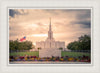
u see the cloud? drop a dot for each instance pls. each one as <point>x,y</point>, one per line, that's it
<point>13,12</point>
<point>84,24</point>
<point>83,19</point>
<point>84,14</point>
<point>67,24</point>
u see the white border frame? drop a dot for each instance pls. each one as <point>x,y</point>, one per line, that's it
<point>95,68</point>
<point>87,64</point>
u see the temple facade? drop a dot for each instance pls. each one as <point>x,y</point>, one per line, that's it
<point>50,47</point>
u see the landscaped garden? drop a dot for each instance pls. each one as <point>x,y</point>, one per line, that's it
<point>64,53</point>
<point>35,53</point>
<point>74,54</point>
<point>66,56</point>
<point>80,51</point>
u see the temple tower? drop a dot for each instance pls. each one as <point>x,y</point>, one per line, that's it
<point>50,33</point>
<point>50,47</point>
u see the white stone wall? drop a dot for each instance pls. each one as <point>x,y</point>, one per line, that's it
<point>49,52</point>
<point>54,44</point>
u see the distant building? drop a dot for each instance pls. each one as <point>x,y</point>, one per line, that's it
<point>50,47</point>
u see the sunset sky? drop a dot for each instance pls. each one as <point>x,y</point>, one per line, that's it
<point>67,24</point>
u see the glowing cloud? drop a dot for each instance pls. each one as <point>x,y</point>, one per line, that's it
<point>40,35</point>
<point>67,24</point>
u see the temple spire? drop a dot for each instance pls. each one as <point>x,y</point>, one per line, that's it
<point>50,25</point>
<point>50,33</point>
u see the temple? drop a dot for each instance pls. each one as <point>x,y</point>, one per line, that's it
<point>50,47</point>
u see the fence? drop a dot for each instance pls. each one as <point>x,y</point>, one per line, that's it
<point>86,51</point>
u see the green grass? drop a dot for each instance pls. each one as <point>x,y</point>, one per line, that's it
<point>74,54</point>
<point>35,53</point>
<point>63,53</point>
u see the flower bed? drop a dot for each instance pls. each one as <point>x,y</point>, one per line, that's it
<point>55,59</point>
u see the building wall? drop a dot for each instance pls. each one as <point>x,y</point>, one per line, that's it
<point>48,52</point>
<point>54,44</point>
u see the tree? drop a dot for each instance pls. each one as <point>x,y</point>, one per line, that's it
<point>60,48</point>
<point>19,46</point>
<point>12,46</point>
<point>83,43</point>
<point>39,48</point>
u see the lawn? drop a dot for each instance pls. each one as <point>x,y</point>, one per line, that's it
<point>74,54</point>
<point>63,53</point>
<point>35,53</point>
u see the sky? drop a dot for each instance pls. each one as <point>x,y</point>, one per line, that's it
<point>67,24</point>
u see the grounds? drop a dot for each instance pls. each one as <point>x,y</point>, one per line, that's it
<point>64,53</point>
<point>67,57</point>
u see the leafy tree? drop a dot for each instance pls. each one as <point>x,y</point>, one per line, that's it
<point>11,47</point>
<point>19,46</point>
<point>39,48</point>
<point>60,48</point>
<point>83,43</point>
